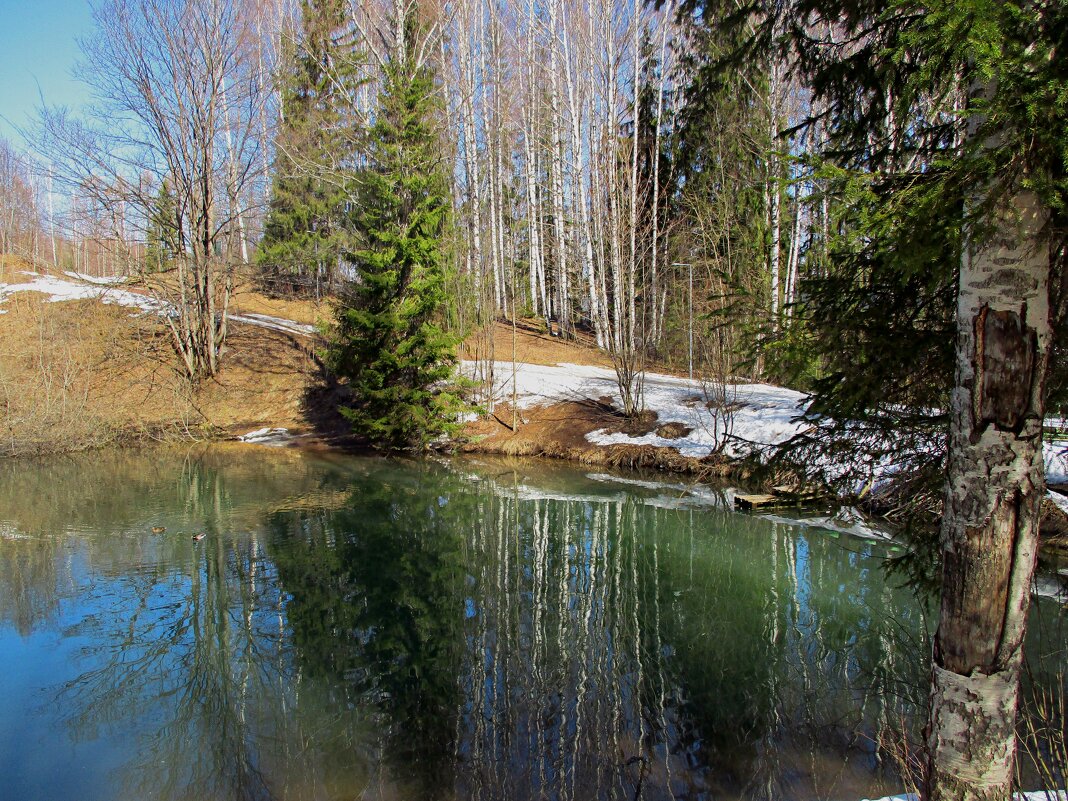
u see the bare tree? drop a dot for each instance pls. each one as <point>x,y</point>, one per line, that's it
<point>20,213</point>
<point>179,93</point>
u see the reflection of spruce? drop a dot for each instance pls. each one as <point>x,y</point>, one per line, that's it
<point>375,611</point>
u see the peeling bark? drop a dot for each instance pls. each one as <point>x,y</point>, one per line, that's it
<point>994,490</point>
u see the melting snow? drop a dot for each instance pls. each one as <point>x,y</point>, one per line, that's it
<point>103,288</point>
<point>765,415</point>
<point>58,289</point>
<point>103,280</point>
<point>267,436</point>
<point>274,323</point>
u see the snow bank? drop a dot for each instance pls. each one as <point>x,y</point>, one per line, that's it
<point>765,415</point>
<point>103,289</point>
<point>58,289</point>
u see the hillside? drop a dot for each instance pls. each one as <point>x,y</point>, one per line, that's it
<point>83,373</point>
<point>82,365</point>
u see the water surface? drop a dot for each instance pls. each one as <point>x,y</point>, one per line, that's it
<point>358,627</point>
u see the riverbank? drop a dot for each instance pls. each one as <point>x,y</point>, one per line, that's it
<point>86,363</point>
<point>572,411</point>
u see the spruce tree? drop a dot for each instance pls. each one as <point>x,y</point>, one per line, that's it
<point>949,125</point>
<point>305,230</point>
<point>162,235</point>
<point>388,341</point>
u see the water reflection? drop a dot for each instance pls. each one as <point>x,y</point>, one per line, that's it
<point>382,629</point>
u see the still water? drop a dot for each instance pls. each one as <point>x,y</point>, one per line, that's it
<point>358,627</point>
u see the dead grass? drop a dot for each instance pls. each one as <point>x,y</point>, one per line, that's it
<point>247,300</point>
<point>534,346</point>
<point>70,372</point>
<point>81,374</point>
<point>12,269</point>
<point>559,432</point>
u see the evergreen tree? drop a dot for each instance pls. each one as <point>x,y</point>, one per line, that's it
<point>948,124</point>
<point>388,342</point>
<point>305,230</point>
<point>162,239</point>
<point>722,147</point>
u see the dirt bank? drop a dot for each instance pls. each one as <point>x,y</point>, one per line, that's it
<point>82,374</point>
<point>559,431</point>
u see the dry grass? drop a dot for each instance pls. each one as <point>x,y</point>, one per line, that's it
<point>533,345</point>
<point>72,373</point>
<point>559,432</point>
<point>12,269</point>
<point>247,300</point>
<point>80,374</point>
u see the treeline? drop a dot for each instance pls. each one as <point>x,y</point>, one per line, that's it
<point>598,180</point>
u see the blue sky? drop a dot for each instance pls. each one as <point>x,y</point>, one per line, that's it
<point>38,48</point>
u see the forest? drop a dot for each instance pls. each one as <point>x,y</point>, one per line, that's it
<point>864,202</point>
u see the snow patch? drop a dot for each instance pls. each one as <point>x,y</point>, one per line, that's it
<point>91,287</point>
<point>102,280</point>
<point>1061,501</point>
<point>274,323</point>
<point>1055,457</point>
<point>765,416</point>
<point>1051,586</point>
<point>59,290</point>
<point>267,436</point>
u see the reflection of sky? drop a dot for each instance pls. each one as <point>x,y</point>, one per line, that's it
<point>592,634</point>
<point>803,581</point>
<point>32,737</point>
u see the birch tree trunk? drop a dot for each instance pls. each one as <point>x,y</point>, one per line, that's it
<point>774,190</point>
<point>994,488</point>
<point>557,182</point>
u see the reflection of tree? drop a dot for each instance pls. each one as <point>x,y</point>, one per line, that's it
<point>441,635</point>
<point>377,608</point>
<point>29,581</point>
<point>780,655</point>
<point>191,653</point>
<point>183,673</point>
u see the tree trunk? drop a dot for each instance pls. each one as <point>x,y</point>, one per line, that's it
<point>990,525</point>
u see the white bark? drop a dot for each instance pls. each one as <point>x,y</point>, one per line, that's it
<point>993,493</point>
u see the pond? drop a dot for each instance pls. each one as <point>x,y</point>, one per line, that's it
<point>362,627</point>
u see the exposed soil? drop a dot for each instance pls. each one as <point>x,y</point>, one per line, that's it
<point>673,430</point>
<point>559,431</point>
<point>82,374</point>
